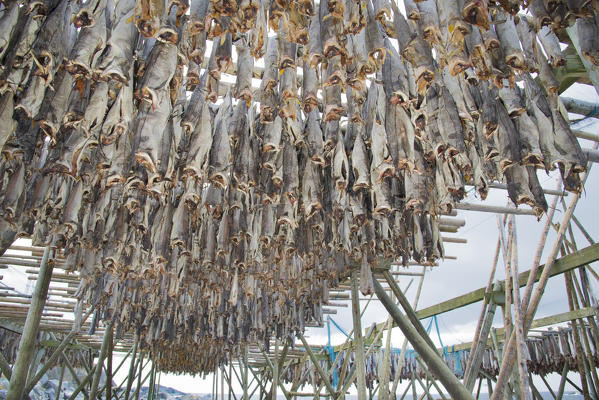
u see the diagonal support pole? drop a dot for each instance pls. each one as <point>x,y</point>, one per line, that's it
<point>272,369</point>
<point>26,351</point>
<point>405,304</point>
<point>55,355</point>
<point>323,374</point>
<point>430,356</point>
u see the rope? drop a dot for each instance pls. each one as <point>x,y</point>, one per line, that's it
<point>338,327</point>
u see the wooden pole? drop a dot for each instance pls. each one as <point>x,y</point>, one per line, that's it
<point>405,304</point>
<point>230,381</point>
<point>152,378</point>
<point>212,395</point>
<point>109,372</point>
<point>582,369</point>
<point>275,372</point>
<point>271,367</point>
<point>81,387</point>
<point>257,378</point>
<point>531,308</point>
<point>386,370</point>
<point>521,350</point>
<point>141,368</point>
<point>358,340</point>
<point>562,382</point>
<point>480,346</point>
<point>222,383</point>
<point>244,373</point>
<point>131,374</point>
<point>55,355</point>
<point>323,374</point>
<point>402,356</point>
<point>26,351</point>
<point>430,356</point>
<point>431,378</point>
<point>477,332</point>
<point>98,372</point>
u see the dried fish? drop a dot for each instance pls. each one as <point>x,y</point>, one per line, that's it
<point>220,152</point>
<point>148,16</point>
<point>88,48</point>
<point>120,45</point>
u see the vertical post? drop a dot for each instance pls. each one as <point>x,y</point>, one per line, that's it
<point>151,385</point>
<point>521,349</point>
<point>212,394</point>
<point>230,379</point>
<point>577,344</point>
<point>562,382</point>
<point>480,347</point>
<point>222,383</point>
<point>141,368</point>
<point>531,306</point>
<point>244,374</point>
<point>98,371</point>
<point>30,329</point>
<point>109,364</point>
<point>484,311</point>
<point>275,372</point>
<point>132,368</point>
<point>358,339</point>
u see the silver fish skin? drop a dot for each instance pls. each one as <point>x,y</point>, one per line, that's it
<point>116,62</point>
<point>220,153</point>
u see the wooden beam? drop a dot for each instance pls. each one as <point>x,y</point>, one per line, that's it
<point>493,209</point>
<point>107,340</point>
<point>430,356</point>
<point>358,339</point>
<point>585,135</point>
<point>323,374</point>
<point>30,330</point>
<point>52,359</point>
<point>561,265</point>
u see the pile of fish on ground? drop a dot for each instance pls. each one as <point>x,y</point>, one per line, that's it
<point>206,215</point>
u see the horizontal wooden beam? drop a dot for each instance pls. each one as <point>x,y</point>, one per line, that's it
<point>493,209</point>
<point>585,135</point>
<point>567,263</point>
<point>448,239</point>
<point>537,323</point>
<point>592,154</point>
